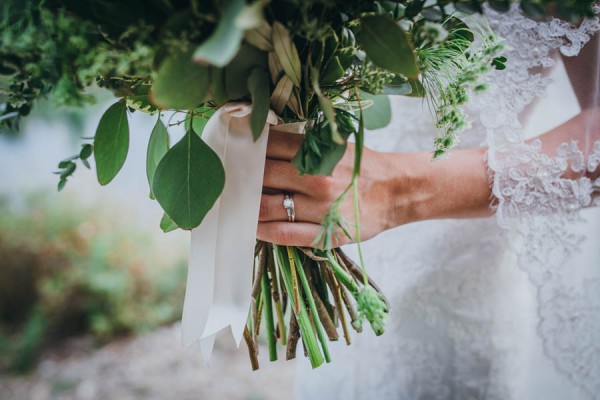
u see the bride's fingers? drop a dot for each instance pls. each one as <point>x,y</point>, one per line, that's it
<point>307,209</point>
<point>283,145</point>
<point>282,175</point>
<point>302,234</point>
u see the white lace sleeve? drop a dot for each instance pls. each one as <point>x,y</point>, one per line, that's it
<point>534,197</point>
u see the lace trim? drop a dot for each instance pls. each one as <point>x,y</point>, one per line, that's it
<point>531,183</point>
<point>533,198</point>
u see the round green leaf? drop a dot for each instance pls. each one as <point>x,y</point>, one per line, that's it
<point>379,114</point>
<point>158,145</point>
<point>188,181</point>
<point>198,120</point>
<point>388,45</point>
<point>220,48</point>
<point>166,224</point>
<point>111,142</point>
<point>180,83</point>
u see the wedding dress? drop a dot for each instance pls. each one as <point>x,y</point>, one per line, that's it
<point>491,308</point>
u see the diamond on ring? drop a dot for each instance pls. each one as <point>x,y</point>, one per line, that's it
<point>288,204</point>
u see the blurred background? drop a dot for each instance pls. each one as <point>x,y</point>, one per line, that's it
<point>91,290</point>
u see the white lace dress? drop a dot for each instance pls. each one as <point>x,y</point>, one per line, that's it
<point>475,315</point>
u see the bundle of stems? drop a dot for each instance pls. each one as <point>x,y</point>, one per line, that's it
<point>302,294</point>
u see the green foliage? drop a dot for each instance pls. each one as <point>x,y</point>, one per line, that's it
<point>379,114</point>
<point>237,73</point>
<point>258,84</point>
<point>371,307</point>
<point>66,270</point>
<point>220,48</point>
<point>319,152</point>
<point>451,73</point>
<point>188,181</point>
<point>180,84</point>
<point>286,53</point>
<point>111,143</point>
<point>333,223</point>
<point>188,55</point>
<point>388,46</point>
<point>166,224</point>
<point>158,145</point>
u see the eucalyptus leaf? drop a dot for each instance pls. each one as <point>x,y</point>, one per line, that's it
<point>258,84</point>
<point>111,143</point>
<point>220,48</point>
<point>388,45</point>
<point>158,145</point>
<point>379,114</point>
<point>252,16</point>
<point>237,73</point>
<point>166,224</point>
<point>188,180</point>
<point>180,84</point>
<point>198,119</point>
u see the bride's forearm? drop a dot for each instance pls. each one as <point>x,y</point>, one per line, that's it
<point>453,187</point>
<point>458,186</point>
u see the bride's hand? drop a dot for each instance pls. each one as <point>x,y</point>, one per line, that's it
<point>314,195</point>
<point>394,189</point>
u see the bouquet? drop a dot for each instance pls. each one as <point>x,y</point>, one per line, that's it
<point>329,65</point>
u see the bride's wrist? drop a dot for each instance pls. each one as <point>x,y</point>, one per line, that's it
<point>422,189</point>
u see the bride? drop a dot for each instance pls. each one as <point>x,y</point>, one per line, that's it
<point>485,307</point>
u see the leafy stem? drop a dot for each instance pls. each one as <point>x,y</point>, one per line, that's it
<point>357,226</point>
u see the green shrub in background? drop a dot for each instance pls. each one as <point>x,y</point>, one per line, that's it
<point>67,271</point>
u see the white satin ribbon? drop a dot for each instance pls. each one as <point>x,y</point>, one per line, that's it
<point>219,280</point>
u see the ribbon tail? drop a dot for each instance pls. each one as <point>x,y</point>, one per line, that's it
<point>222,247</point>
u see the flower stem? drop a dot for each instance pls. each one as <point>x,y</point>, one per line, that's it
<point>311,304</point>
<point>357,224</point>
<point>268,307</point>
<point>304,323</point>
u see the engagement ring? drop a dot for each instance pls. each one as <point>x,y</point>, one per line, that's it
<point>288,204</point>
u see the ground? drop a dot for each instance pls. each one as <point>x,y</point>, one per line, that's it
<point>150,366</point>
